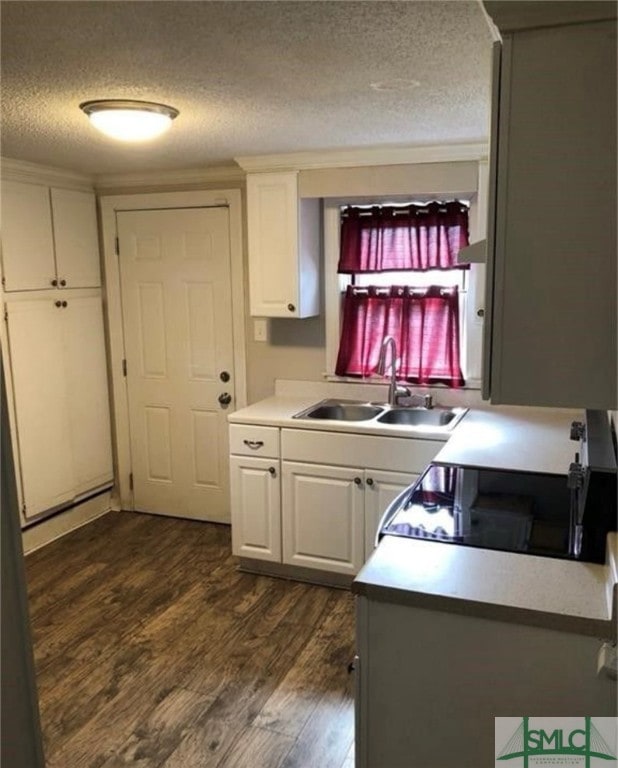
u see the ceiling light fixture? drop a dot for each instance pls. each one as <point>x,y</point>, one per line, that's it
<point>129,120</point>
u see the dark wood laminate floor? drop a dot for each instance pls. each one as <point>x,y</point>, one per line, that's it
<point>153,651</point>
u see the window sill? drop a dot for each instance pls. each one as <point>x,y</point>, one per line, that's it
<point>471,384</point>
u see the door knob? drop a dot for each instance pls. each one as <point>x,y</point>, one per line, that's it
<point>225,398</point>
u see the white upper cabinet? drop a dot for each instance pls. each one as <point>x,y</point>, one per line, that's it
<point>27,237</point>
<point>76,240</point>
<point>284,247</point>
<point>49,238</point>
<point>551,306</point>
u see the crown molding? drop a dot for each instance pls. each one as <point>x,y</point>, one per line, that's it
<point>355,157</point>
<point>22,170</point>
<point>163,179</point>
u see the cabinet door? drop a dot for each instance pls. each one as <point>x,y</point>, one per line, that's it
<point>256,507</point>
<point>380,489</point>
<point>284,247</point>
<point>85,370</point>
<point>27,240</point>
<point>75,238</point>
<point>323,517</point>
<point>553,340</point>
<point>41,403</point>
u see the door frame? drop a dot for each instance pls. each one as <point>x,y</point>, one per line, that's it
<point>108,207</point>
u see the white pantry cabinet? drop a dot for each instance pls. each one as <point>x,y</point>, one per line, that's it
<point>49,238</point>
<point>59,383</point>
<point>284,235</point>
<point>255,492</point>
<point>550,327</point>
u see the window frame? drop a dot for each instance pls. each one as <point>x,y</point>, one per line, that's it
<point>471,300</point>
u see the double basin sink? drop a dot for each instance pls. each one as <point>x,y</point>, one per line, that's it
<point>437,417</point>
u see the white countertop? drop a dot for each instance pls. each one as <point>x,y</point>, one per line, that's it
<point>503,586</point>
<point>506,437</point>
<point>512,437</point>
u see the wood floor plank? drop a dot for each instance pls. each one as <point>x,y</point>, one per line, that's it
<point>154,739</point>
<point>256,747</point>
<point>153,650</point>
<point>205,745</point>
<point>321,662</point>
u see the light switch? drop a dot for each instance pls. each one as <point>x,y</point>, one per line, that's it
<point>260,329</point>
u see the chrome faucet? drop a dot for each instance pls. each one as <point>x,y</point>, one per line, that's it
<point>394,391</point>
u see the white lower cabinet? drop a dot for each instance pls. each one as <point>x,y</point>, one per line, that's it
<point>255,492</point>
<point>380,489</point>
<point>332,513</point>
<point>256,507</point>
<point>323,521</point>
<point>307,498</point>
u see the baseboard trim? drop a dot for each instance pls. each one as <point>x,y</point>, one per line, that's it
<point>40,534</point>
<point>295,573</point>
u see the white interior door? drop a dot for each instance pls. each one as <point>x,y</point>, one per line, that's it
<point>177,312</point>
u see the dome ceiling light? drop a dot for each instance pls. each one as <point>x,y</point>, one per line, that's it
<point>128,120</point>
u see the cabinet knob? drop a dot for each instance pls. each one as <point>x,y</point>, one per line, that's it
<point>357,480</point>
<point>58,303</point>
<point>224,376</point>
<point>54,282</point>
<point>272,471</point>
<point>369,481</point>
<point>480,312</point>
<point>291,307</point>
<point>63,282</point>
<point>64,304</point>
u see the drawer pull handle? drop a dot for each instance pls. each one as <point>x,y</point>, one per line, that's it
<point>254,444</point>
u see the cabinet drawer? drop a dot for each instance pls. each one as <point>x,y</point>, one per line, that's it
<point>398,454</point>
<point>248,440</point>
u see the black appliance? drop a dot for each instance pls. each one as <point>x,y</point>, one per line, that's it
<point>565,516</point>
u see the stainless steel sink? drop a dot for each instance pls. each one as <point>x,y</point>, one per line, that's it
<point>341,410</point>
<point>437,418</point>
<point>422,417</point>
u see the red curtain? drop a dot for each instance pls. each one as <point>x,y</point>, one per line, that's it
<point>423,321</point>
<point>395,238</point>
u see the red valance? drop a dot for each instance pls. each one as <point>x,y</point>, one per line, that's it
<point>396,238</point>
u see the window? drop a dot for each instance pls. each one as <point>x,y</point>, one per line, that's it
<point>403,282</point>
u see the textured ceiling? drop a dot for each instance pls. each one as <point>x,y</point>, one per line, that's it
<point>248,77</point>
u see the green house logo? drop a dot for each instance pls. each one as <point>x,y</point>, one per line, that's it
<point>584,743</point>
